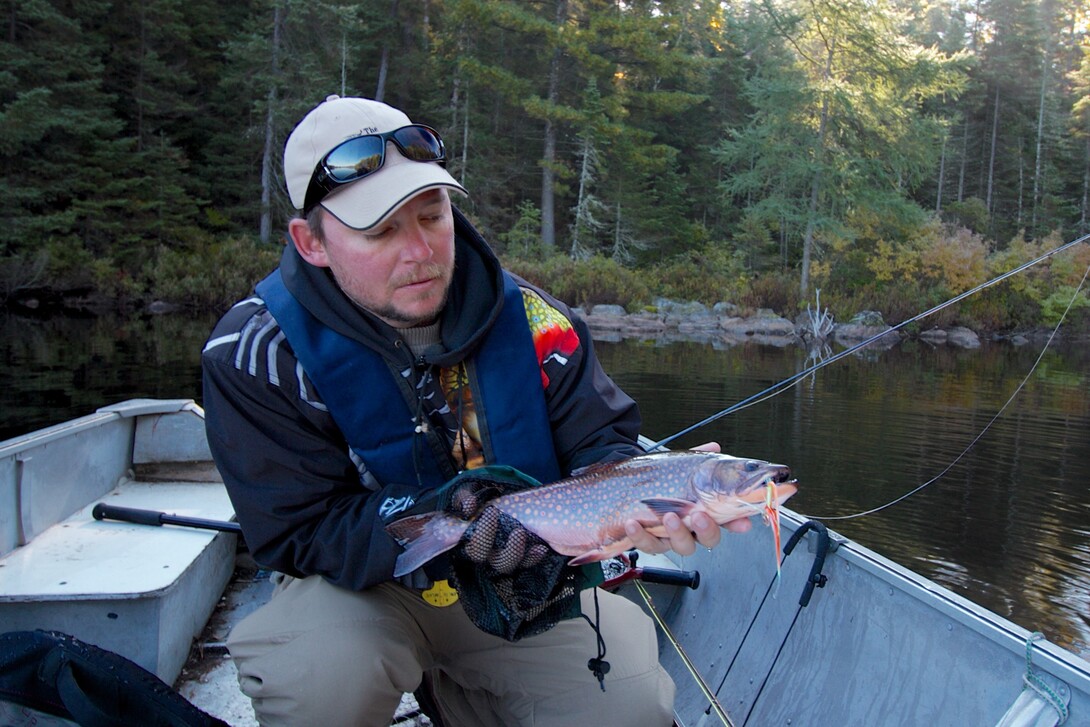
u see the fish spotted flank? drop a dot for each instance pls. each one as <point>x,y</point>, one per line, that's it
<point>583,516</point>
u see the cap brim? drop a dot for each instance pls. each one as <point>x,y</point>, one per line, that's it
<point>366,203</point>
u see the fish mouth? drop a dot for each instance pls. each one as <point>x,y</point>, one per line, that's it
<point>756,490</point>
<point>780,473</point>
<point>757,496</point>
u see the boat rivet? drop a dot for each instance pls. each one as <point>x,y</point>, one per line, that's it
<point>891,591</point>
<point>949,627</point>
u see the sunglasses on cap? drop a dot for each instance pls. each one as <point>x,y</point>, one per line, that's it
<point>360,156</point>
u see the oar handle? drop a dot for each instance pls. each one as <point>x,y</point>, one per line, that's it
<point>102,511</point>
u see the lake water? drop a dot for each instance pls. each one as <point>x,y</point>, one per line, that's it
<point>1008,526</point>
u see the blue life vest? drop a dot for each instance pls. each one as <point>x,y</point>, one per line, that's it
<point>357,385</point>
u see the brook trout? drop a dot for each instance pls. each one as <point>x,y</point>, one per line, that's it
<point>583,516</point>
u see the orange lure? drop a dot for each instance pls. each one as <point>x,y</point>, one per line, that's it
<point>772,517</point>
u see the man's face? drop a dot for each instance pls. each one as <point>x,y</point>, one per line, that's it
<point>399,270</point>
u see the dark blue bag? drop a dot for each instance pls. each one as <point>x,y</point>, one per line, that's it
<point>56,674</point>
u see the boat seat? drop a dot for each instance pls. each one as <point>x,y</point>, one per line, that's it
<point>140,591</point>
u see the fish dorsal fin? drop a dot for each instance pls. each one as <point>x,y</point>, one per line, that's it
<point>662,505</point>
<point>501,473</point>
<point>596,468</point>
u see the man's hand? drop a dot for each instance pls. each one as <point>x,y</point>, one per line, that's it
<point>680,539</point>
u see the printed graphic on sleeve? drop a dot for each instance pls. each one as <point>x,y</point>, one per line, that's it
<point>554,337</point>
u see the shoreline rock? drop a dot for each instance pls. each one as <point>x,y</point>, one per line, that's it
<point>723,326</point>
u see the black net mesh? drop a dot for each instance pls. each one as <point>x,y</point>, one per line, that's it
<point>471,492</point>
<point>510,582</point>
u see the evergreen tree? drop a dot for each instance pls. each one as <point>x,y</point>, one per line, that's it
<point>588,213</point>
<point>146,73</point>
<point>847,125</point>
<point>59,145</point>
<point>1080,132</point>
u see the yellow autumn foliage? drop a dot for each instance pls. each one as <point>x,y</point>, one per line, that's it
<point>959,259</point>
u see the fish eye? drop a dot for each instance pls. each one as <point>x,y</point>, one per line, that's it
<point>752,465</point>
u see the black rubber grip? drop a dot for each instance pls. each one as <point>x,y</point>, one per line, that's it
<point>669,577</point>
<point>103,511</point>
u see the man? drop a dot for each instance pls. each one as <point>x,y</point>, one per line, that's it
<point>388,353</point>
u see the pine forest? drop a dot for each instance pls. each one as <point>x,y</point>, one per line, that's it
<point>888,153</point>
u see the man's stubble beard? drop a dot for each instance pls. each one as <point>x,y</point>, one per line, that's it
<point>390,313</point>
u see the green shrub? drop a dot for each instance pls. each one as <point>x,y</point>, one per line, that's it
<point>115,283</point>
<point>1055,305</point>
<point>779,292</point>
<point>214,275</point>
<point>585,283</point>
<point>709,275</point>
<point>71,265</point>
<point>523,240</point>
<point>971,213</point>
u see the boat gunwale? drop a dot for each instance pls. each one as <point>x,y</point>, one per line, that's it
<point>1060,662</point>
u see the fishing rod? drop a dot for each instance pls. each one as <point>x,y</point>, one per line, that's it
<point>713,701</point>
<point>791,380</point>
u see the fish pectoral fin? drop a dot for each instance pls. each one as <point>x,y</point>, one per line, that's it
<point>662,505</point>
<point>591,556</point>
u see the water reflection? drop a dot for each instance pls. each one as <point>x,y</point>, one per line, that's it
<point>61,367</point>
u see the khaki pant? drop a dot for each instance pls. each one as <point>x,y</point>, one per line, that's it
<point>317,654</point>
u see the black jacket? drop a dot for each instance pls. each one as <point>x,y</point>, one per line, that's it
<point>306,504</point>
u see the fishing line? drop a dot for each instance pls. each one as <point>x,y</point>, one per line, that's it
<point>787,383</point>
<point>988,426</point>
<point>714,705</point>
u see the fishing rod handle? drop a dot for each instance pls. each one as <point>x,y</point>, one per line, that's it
<point>670,577</point>
<point>102,511</point>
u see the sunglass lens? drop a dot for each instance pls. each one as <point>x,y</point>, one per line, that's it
<point>354,158</point>
<point>419,144</point>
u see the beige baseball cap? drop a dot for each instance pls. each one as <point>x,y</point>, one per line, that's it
<point>366,202</point>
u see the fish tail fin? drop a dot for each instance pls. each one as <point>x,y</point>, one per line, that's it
<point>407,529</point>
<point>424,537</point>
